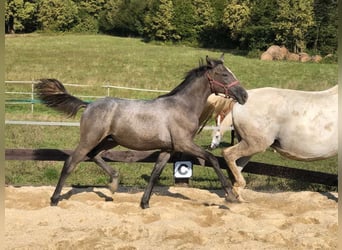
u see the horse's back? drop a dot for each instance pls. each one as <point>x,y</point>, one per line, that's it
<point>289,103</point>
<point>302,123</point>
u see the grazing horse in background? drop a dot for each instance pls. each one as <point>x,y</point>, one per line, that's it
<point>219,108</point>
<point>300,125</point>
<point>168,123</point>
<point>223,124</point>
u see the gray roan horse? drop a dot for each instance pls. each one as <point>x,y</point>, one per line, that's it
<point>168,123</point>
<point>300,125</point>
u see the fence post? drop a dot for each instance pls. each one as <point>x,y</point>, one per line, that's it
<point>32,96</point>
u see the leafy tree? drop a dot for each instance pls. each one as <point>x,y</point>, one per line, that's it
<point>292,23</point>
<point>126,19</point>
<point>158,22</point>
<point>236,15</point>
<point>89,13</point>
<point>204,19</point>
<point>91,7</point>
<point>258,33</point>
<point>323,34</point>
<point>228,24</point>
<point>184,21</point>
<point>109,14</point>
<point>58,15</point>
<point>20,15</point>
<point>204,14</point>
<point>216,35</point>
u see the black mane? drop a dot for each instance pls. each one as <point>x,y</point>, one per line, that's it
<point>189,76</point>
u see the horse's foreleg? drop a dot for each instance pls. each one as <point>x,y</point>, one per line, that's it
<point>163,158</point>
<point>201,153</point>
<point>239,181</point>
<point>227,187</point>
<point>241,153</point>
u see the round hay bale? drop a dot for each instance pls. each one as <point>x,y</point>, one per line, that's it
<point>283,52</point>
<point>292,57</point>
<point>275,51</point>
<point>316,58</point>
<point>304,57</point>
<point>266,56</point>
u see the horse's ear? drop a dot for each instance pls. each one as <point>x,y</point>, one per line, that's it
<point>222,58</point>
<point>210,62</point>
<point>201,63</point>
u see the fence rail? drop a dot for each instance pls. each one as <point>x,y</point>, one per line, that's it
<point>33,101</point>
<point>43,123</point>
<point>149,156</point>
<point>131,156</point>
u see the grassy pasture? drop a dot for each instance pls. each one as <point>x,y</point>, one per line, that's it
<point>96,60</point>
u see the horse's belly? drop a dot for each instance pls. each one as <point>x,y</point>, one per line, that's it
<point>306,149</point>
<point>144,138</point>
<point>143,143</point>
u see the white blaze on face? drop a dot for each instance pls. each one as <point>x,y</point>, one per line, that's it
<point>215,142</point>
<point>230,72</point>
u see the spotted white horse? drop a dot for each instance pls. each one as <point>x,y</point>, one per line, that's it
<point>300,125</point>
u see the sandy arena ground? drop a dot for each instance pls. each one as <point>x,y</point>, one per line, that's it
<point>179,218</point>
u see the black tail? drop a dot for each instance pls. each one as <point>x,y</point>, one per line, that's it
<point>54,95</point>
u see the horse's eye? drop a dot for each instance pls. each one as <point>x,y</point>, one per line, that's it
<point>225,74</point>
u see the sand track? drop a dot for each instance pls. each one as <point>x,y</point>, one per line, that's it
<point>179,218</point>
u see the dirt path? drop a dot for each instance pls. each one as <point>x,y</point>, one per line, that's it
<point>179,218</point>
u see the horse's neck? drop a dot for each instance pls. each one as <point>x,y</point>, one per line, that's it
<point>197,93</point>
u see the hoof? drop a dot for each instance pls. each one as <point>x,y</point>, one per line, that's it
<point>144,205</point>
<point>233,197</point>
<point>230,197</point>
<point>113,186</point>
<point>241,200</point>
<point>54,202</point>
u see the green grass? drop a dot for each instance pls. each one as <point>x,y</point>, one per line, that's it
<point>96,60</point>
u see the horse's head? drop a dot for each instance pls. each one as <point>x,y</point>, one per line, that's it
<point>215,142</point>
<point>222,80</point>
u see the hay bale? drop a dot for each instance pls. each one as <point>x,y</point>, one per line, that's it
<point>266,56</point>
<point>283,52</point>
<point>304,57</point>
<point>316,58</point>
<point>292,57</point>
<point>275,52</point>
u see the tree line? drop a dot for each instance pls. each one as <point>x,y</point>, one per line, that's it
<point>299,25</point>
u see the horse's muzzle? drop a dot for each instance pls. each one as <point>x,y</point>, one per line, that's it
<point>239,94</point>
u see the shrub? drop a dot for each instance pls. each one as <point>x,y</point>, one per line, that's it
<point>56,15</point>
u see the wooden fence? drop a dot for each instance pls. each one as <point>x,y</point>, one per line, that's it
<point>151,156</point>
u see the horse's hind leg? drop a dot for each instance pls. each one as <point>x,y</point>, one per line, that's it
<point>76,157</point>
<point>163,158</point>
<point>95,154</point>
<point>113,174</point>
